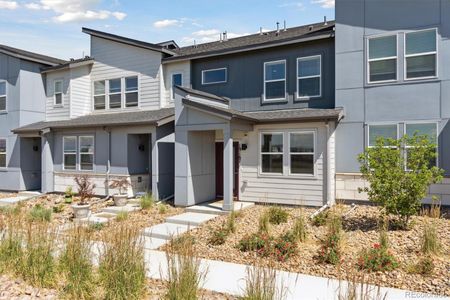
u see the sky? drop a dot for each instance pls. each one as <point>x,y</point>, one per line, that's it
<point>53,27</point>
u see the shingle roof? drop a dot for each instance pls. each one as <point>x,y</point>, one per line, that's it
<point>148,117</point>
<point>27,55</point>
<point>249,42</point>
<point>68,64</point>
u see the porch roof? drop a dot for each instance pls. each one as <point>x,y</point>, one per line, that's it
<point>144,117</point>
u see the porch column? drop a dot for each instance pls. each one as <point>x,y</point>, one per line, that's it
<point>155,165</point>
<point>228,164</point>
<point>47,184</point>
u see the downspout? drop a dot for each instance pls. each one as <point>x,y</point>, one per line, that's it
<point>328,179</point>
<point>108,164</point>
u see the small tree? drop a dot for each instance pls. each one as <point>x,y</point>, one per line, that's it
<point>399,176</point>
<point>121,184</point>
<point>85,188</point>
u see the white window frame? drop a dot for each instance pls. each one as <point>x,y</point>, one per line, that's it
<point>275,80</point>
<point>302,153</point>
<point>6,96</point>
<point>116,93</point>
<point>182,82</point>
<point>409,147</point>
<point>215,82</point>
<point>381,124</point>
<point>5,153</point>
<point>55,93</point>
<point>126,92</point>
<point>405,56</point>
<point>369,60</point>
<point>86,153</point>
<point>306,77</point>
<point>276,153</point>
<point>104,94</point>
<point>64,152</point>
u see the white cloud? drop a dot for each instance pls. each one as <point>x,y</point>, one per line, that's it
<point>8,5</point>
<point>166,23</point>
<point>324,3</point>
<point>207,36</point>
<point>298,5</point>
<point>75,10</point>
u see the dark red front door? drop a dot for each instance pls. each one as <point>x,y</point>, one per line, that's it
<point>219,170</point>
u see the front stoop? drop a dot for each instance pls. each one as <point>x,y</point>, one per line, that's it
<point>166,230</point>
<point>215,208</point>
<point>190,218</point>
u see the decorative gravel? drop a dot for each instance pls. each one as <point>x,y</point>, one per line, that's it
<point>360,232</point>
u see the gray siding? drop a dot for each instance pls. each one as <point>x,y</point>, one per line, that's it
<point>245,76</point>
<point>80,91</point>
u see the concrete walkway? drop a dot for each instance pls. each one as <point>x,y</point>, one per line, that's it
<point>23,196</point>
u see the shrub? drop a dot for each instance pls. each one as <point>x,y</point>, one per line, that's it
<point>256,242</point>
<point>121,184</point>
<point>330,252</point>
<point>260,284</point>
<point>263,223</point>
<point>320,219</point>
<point>58,208</point>
<point>430,239</point>
<point>376,259</point>
<point>40,213</point>
<point>218,236</point>
<point>162,208</point>
<point>122,216</point>
<point>425,266</point>
<point>147,201</point>
<point>96,226</point>
<point>277,215</point>
<point>231,222</point>
<point>75,263</point>
<point>397,190</point>
<point>299,231</point>
<point>68,194</point>
<point>184,273</point>
<point>283,249</point>
<point>85,188</point>
<point>122,266</point>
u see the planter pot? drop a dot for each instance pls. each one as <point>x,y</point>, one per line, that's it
<point>81,211</point>
<point>120,200</point>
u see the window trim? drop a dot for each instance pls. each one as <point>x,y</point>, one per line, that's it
<point>6,154</point>
<point>306,77</point>
<point>276,80</point>
<point>215,82</point>
<point>64,152</point>
<point>437,138</point>
<point>369,60</point>
<point>6,96</point>
<point>405,56</point>
<point>260,153</point>
<point>171,83</point>
<point>54,93</point>
<point>125,92</point>
<point>104,94</point>
<point>86,153</point>
<point>302,131</point>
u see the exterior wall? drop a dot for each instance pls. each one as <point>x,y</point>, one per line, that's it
<point>169,69</point>
<point>58,112</point>
<point>80,91</point>
<point>245,76</point>
<point>116,60</point>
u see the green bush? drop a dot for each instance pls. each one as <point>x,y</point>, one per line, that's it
<point>320,219</point>
<point>96,226</point>
<point>147,201</point>
<point>58,208</point>
<point>277,215</point>
<point>122,216</point>
<point>283,249</point>
<point>425,266</point>
<point>162,208</point>
<point>377,259</point>
<point>40,213</point>
<point>330,252</point>
<point>218,236</point>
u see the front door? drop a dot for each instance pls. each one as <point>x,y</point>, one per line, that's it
<point>219,170</point>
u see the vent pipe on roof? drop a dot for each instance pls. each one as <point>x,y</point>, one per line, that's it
<point>225,38</point>
<point>325,20</point>
<point>278,27</point>
<point>260,31</point>
<point>220,37</point>
<point>284,25</point>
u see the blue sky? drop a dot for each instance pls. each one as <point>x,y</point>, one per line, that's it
<point>53,27</point>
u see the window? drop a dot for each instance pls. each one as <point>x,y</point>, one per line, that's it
<point>272,153</point>
<point>115,93</point>
<point>99,95</point>
<point>428,129</point>
<point>382,59</point>
<point>301,152</point>
<point>131,91</point>
<point>70,152</point>
<point>214,76</point>
<point>309,77</point>
<point>2,153</point>
<point>275,80</point>
<point>86,152</point>
<point>58,85</point>
<point>421,54</point>
<point>388,131</point>
<point>177,79</point>
<point>2,95</point>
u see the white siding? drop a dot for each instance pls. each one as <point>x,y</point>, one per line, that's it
<point>282,189</point>
<point>173,68</point>
<point>53,112</point>
<point>80,91</point>
<point>116,60</point>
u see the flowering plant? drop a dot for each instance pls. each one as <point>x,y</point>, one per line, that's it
<point>377,258</point>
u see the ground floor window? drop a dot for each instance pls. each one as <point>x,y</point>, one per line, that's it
<point>86,150</point>
<point>272,153</point>
<point>2,153</point>
<point>428,129</point>
<point>70,152</point>
<point>301,153</point>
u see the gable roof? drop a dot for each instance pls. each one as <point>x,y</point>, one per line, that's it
<point>30,56</point>
<point>127,41</point>
<point>256,41</point>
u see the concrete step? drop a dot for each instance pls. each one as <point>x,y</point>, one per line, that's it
<point>118,209</point>
<point>14,200</point>
<point>190,218</point>
<point>215,208</point>
<point>166,231</point>
<point>101,218</point>
<point>152,243</point>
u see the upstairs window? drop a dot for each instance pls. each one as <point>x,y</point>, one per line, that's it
<point>70,152</point>
<point>58,92</point>
<point>309,77</point>
<point>272,153</point>
<point>2,96</point>
<point>131,91</point>
<point>275,80</point>
<point>86,150</point>
<point>421,54</point>
<point>99,95</point>
<point>382,59</point>
<point>387,131</point>
<point>428,129</point>
<point>115,93</point>
<point>177,79</point>
<point>214,76</point>
<point>2,153</point>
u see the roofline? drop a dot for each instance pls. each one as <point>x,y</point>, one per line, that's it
<point>30,56</point>
<point>215,110</point>
<point>69,65</point>
<point>265,45</point>
<point>127,41</point>
<point>194,92</point>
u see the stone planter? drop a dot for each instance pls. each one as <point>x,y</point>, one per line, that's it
<point>120,200</point>
<point>81,211</point>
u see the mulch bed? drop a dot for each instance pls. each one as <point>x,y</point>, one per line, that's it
<point>360,232</point>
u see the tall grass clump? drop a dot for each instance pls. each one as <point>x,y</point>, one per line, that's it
<point>11,241</point>
<point>122,266</point>
<point>299,230</point>
<point>355,286</point>
<point>430,239</point>
<point>231,222</point>
<point>75,262</point>
<point>184,273</point>
<point>261,284</point>
<point>263,223</point>
<point>147,201</point>
<point>330,252</point>
<point>40,213</point>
